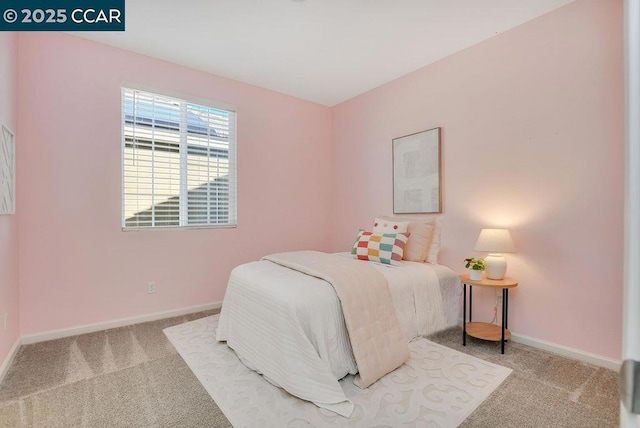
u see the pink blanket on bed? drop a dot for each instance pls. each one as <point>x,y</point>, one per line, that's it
<point>377,342</point>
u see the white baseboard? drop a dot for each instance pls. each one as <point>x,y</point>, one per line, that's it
<point>90,328</point>
<point>4,368</point>
<point>565,351</point>
<point>576,354</point>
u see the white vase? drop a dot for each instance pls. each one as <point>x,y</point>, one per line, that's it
<point>475,275</point>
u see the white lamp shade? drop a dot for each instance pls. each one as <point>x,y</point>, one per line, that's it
<point>495,241</point>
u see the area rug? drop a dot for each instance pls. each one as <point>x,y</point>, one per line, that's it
<point>437,387</point>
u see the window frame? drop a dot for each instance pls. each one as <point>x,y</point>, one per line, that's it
<point>183,150</point>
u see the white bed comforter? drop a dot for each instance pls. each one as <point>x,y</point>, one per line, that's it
<point>377,343</point>
<point>289,326</point>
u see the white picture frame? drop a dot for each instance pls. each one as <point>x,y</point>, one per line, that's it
<point>417,178</point>
<point>7,172</point>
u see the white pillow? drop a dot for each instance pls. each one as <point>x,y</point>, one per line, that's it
<point>434,249</point>
<point>420,235</point>
<point>383,225</point>
<point>424,238</point>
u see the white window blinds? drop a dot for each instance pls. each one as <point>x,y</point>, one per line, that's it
<point>178,163</point>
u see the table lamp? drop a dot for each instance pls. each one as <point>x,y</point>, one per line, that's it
<point>495,242</point>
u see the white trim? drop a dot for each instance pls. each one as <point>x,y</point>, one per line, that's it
<point>4,368</point>
<point>631,290</point>
<point>195,99</point>
<point>566,351</point>
<point>90,328</point>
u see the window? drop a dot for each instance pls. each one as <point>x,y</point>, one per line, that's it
<point>178,163</point>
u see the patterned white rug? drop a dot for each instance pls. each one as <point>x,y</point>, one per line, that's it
<point>437,387</point>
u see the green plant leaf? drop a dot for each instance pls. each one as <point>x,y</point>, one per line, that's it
<point>474,264</point>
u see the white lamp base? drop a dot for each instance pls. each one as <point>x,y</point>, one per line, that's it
<point>495,266</point>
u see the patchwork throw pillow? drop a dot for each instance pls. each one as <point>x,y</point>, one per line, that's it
<point>386,248</point>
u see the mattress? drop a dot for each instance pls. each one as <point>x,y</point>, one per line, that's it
<point>289,326</point>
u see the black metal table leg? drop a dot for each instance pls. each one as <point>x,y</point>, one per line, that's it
<point>464,316</point>
<point>470,301</point>
<point>504,318</point>
<point>506,308</point>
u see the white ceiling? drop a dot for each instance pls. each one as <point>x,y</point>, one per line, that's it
<point>325,51</point>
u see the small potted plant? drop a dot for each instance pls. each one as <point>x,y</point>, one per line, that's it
<point>475,266</point>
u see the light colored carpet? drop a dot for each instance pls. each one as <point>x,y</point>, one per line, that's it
<point>135,378</point>
<point>437,387</point>
<point>120,378</point>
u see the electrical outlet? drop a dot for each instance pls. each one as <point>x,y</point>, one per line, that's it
<point>6,321</point>
<point>499,300</point>
<point>151,287</point>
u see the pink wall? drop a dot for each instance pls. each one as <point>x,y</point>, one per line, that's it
<point>77,266</point>
<point>532,140</point>
<point>9,294</point>
<point>532,137</point>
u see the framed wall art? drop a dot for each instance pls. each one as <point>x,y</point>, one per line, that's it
<point>417,175</point>
<point>7,172</point>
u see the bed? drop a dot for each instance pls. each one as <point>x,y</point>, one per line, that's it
<point>289,326</point>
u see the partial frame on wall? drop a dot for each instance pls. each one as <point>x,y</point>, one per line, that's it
<point>417,178</point>
<point>7,172</point>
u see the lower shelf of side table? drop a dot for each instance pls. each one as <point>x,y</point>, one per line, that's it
<point>486,331</point>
